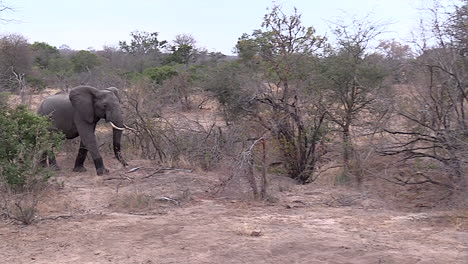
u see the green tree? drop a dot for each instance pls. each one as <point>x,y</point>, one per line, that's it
<point>143,43</point>
<point>84,61</point>
<point>43,53</point>
<point>183,50</point>
<point>62,69</point>
<point>143,51</point>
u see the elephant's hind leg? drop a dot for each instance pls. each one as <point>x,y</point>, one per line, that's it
<point>80,158</point>
<point>50,157</point>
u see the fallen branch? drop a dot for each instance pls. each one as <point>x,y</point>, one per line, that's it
<point>57,217</point>
<point>161,170</point>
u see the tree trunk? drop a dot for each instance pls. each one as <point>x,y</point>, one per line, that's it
<point>347,155</point>
<point>264,181</point>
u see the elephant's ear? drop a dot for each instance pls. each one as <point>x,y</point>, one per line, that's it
<point>114,90</point>
<point>82,98</point>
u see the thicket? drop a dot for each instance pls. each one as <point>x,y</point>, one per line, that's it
<point>25,136</point>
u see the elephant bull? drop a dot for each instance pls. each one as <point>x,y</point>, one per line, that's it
<point>77,113</point>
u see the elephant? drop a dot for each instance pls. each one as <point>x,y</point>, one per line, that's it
<point>76,114</point>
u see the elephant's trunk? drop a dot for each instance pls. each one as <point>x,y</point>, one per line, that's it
<point>116,138</point>
<point>116,122</point>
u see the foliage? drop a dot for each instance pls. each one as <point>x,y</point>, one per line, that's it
<point>61,68</point>
<point>181,54</point>
<point>142,43</point>
<point>36,83</point>
<point>159,74</point>
<point>233,87</point>
<point>183,51</point>
<point>84,61</point>
<point>143,51</point>
<point>25,136</point>
<point>43,54</point>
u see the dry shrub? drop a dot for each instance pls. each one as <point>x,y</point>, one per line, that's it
<point>22,206</point>
<point>186,140</point>
<point>245,168</point>
<point>160,133</point>
<point>406,185</point>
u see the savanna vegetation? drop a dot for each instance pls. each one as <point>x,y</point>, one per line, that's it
<point>293,102</point>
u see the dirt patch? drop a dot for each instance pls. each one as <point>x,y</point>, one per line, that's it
<point>167,216</point>
<point>151,216</point>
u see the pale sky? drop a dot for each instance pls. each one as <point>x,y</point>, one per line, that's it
<point>215,24</point>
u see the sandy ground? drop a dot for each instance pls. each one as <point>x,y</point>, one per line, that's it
<point>169,216</point>
<point>123,218</point>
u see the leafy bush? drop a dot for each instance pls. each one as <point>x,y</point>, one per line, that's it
<point>24,136</point>
<point>159,74</point>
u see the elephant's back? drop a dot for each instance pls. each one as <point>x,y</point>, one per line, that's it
<point>55,103</point>
<point>59,108</point>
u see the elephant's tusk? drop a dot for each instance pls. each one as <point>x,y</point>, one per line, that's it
<point>116,127</point>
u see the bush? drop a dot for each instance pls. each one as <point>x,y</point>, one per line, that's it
<point>24,136</point>
<point>36,83</point>
<point>159,74</point>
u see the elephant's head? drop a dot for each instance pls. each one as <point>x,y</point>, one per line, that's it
<point>93,104</point>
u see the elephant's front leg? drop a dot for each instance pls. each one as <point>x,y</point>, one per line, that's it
<point>80,158</point>
<point>88,138</point>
